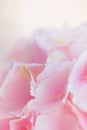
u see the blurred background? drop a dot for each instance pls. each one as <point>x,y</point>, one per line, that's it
<point>20,18</point>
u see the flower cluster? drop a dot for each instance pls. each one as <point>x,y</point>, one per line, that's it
<point>43,82</point>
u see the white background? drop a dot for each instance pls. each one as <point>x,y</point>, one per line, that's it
<point>20,18</point>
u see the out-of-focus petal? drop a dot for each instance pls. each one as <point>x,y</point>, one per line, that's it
<point>78,82</point>
<point>27,52</point>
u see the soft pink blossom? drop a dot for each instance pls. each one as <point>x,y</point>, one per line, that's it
<point>43,82</point>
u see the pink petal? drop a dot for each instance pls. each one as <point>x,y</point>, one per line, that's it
<point>62,118</point>
<point>27,52</point>
<point>51,84</point>
<point>78,83</point>
<point>5,123</point>
<point>25,122</point>
<point>15,90</point>
<point>4,71</point>
<point>20,124</point>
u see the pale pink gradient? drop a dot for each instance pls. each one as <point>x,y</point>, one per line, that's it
<point>20,18</point>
